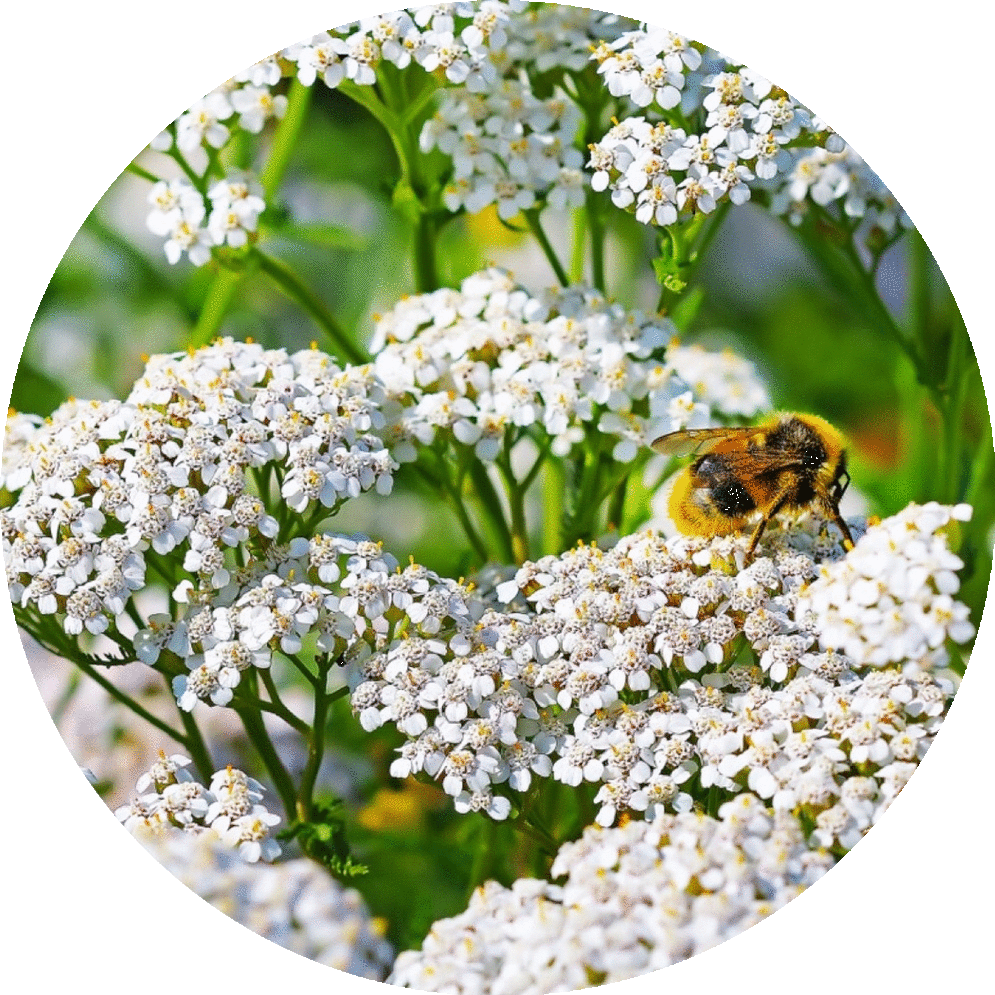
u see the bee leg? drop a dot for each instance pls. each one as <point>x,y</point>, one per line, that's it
<point>757,533</point>
<point>832,512</point>
<point>779,502</point>
<point>843,527</point>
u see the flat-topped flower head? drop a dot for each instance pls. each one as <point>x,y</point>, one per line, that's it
<point>631,900</point>
<point>661,660</point>
<point>491,357</point>
<point>100,487</point>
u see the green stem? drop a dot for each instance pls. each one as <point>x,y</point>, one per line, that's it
<point>958,372</point>
<point>392,124</point>
<point>588,500</point>
<point>196,179</point>
<point>451,491</point>
<point>255,730</point>
<point>285,138</point>
<point>278,708</point>
<point>217,303</point>
<point>597,223</point>
<point>118,695</point>
<point>288,281</point>
<point>425,264</point>
<point>145,174</point>
<point>616,509</point>
<point>886,320</point>
<point>578,244</point>
<point>553,486</point>
<point>535,226</point>
<point>195,743</point>
<point>491,504</point>
<point>516,502</point>
<point>316,748</point>
<point>537,465</point>
<point>710,231</point>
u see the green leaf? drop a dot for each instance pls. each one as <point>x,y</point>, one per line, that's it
<point>324,840</point>
<point>668,274</point>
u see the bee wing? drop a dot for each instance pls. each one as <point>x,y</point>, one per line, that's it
<point>698,440</point>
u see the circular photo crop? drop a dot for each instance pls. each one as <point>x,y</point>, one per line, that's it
<point>498,497</point>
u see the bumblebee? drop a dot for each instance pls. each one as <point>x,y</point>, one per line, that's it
<point>789,462</point>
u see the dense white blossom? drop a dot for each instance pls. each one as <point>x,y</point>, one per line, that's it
<point>838,180</point>
<point>230,809</point>
<point>660,666</point>
<point>892,598</point>
<point>632,900</point>
<point>491,357</point>
<point>348,593</point>
<point>691,128</point>
<point>101,486</point>
<point>736,130</point>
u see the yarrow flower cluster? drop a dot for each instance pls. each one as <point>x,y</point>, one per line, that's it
<point>726,382</point>
<point>491,357</point>
<point>550,36</point>
<point>508,148</point>
<point>102,485</point>
<point>516,150</point>
<point>509,145</point>
<point>348,593</point>
<point>633,900</point>
<point>892,598</point>
<point>660,170</point>
<point>179,214</point>
<point>659,666</point>
<point>230,809</point>
<point>227,211</point>
<point>453,40</point>
<point>293,903</point>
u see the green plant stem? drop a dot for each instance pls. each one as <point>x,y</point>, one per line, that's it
<point>588,500</point>
<point>516,503</point>
<point>195,743</point>
<point>451,492</point>
<point>616,509</point>
<point>885,320</point>
<point>316,747</point>
<point>958,372</point>
<point>425,263</point>
<point>597,226</point>
<point>217,303</point>
<point>285,138</point>
<point>491,504</point>
<point>537,465</point>
<point>278,708</point>
<point>141,171</point>
<point>578,245</point>
<point>553,486</point>
<point>535,226</point>
<point>391,122</point>
<point>125,699</point>
<point>255,730</point>
<point>288,281</point>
